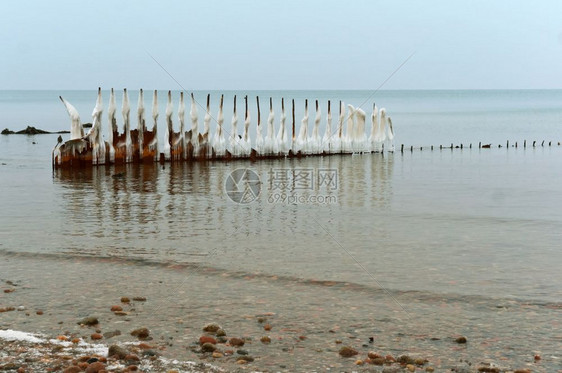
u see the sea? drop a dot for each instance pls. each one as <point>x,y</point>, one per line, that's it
<point>397,252</point>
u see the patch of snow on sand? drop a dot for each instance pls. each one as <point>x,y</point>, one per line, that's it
<point>14,335</point>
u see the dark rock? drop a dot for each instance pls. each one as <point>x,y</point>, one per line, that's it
<point>89,321</point>
<point>6,131</point>
<point>92,360</point>
<point>118,351</point>
<point>347,351</point>
<point>222,340</point>
<point>488,369</point>
<point>461,340</point>
<point>87,125</point>
<point>221,333</point>
<point>242,352</point>
<point>95,367</point>
<point>211,328</point>
<point>405,359</point>
<point>139,299</point>
<point>141,333</point>
<point>208,347</point>
<point>378,361</point>
<point>31,131</point>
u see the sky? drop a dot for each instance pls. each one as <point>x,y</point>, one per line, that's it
<point>285,45</point>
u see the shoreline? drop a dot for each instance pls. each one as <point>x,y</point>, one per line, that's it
<point>259,336</point>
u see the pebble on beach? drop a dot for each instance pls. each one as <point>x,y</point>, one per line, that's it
<point>211,328</point>
<point>125,300</point>
<point>461,340</point>
<point>208,347</point>
<point>95,367</point>
<point>118,351</point>
<point>206,339</point>
<point>265,340</point>
<point>221,333</point>
<point>116,308</point>
<point>267,327</point>
<point>96,336</point>
<point>347,351</point>
<point>140,333</point>
<point>236,342</point>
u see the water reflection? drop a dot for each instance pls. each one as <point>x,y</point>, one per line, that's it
<point>181,211</point>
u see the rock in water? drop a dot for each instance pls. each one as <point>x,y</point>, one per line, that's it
<point>30,130</point>
<point>6,131</point>
<point>347,351</point>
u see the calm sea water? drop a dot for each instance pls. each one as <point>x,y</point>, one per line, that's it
<point>406,245</point>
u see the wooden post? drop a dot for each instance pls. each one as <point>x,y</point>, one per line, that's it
<point>524,143</point>
<point>549,143</point>
<point>507,143</point>
<point>516,144</point>
<point>480,145</point>
<point>431,147</point>
<point>440,147</point>
<point>461,145</point>
<point>411,148</point>
<point>470,147</point>
<point>402,148</point>
<point>542,143</point>
<point>534,143</point>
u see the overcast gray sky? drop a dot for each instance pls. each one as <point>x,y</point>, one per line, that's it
<point>288,44</point>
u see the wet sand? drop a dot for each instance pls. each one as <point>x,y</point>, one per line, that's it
<point>304,324</point>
